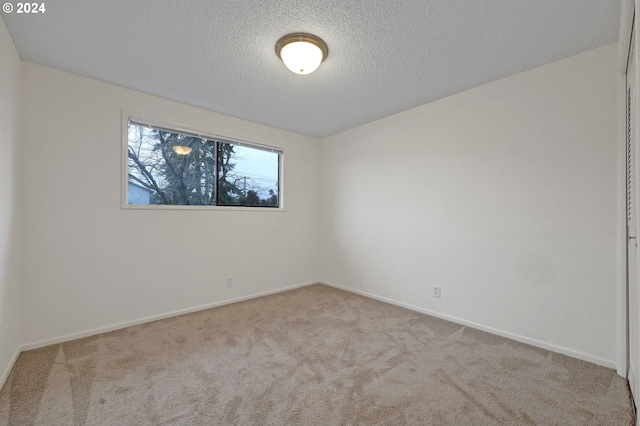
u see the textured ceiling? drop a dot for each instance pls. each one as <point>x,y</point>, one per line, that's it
<point>384,56</point>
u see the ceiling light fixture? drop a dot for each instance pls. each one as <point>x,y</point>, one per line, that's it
<point>302,53</point>
<point>181,149</point>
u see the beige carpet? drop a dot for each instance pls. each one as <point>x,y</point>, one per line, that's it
<point>311,356</point>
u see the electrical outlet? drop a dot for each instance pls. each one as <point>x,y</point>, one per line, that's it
<point>229,282</point>
<point>436,291</point>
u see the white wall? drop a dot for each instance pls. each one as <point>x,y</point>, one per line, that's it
<point>9,228</point>
<point>504,195</point>
<point>90,264</point>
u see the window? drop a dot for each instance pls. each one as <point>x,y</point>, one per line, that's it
<point>172,167</point>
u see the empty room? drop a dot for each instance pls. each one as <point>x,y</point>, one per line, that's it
<point>319,212</point>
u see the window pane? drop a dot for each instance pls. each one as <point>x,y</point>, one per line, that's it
<point>248,176</point>
<point>167,167</point>
<point>170,168</point>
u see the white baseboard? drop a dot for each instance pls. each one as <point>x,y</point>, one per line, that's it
<point>7,370</point>
<point>553,348</point>
<point>522,339</point>
<point>92,332</point>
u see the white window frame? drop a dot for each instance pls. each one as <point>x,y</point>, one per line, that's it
<point>201,133</point>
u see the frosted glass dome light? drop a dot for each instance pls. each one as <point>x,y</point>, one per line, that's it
<point>301,53</point>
